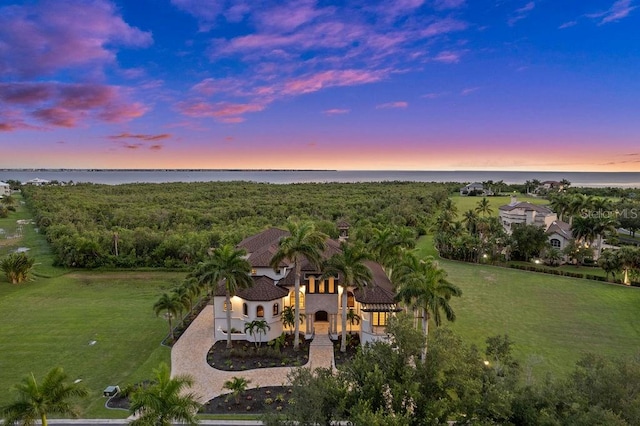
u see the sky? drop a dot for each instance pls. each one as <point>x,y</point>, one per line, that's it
<point>541,85</point>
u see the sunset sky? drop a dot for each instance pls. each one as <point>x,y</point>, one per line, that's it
<point>363,85</point>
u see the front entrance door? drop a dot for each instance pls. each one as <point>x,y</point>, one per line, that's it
<point>321,316</point>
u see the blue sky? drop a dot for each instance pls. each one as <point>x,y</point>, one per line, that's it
<point>404,85</point>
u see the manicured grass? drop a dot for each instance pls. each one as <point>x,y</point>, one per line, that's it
<point>51,321</point>
<point>552,320</point>
<point>465,203</point>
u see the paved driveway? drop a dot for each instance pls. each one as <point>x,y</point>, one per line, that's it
<point>189,356</point>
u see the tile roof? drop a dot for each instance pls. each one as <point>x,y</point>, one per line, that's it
<point>526,206</point>
<point>263,290</point>
<point>266,238</point>
<point>381,290</point>
<point>561,228</point>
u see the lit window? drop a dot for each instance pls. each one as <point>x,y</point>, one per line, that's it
<point>224,306</point>
<point>276,309</point>
<point>351,301</point>
<point>379,318</point>
<point>260,311</point>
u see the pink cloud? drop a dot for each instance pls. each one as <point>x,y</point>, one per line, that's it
<point>315,82</point>
<point>336,111</point>
<point>66,105</point>
<point>290,16</point>
<point>54,35</point>
<point>141,136</point>
<point>444,26</point>
<point>568,25</point>
<point>469,90</point>
<point>620,9</point>
<point>521,13</point>
<point>390,105</point>
<point>223,111</point>
<point>448,57</point>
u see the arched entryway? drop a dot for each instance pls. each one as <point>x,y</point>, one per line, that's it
<point>321,316</point>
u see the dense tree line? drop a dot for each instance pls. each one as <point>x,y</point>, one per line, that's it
<point>385,385</point>
<point>173,224</point>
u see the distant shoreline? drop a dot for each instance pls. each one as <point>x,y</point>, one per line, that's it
<point>291,176</point>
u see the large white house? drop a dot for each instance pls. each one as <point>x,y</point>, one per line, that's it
<point>5,189</point>
<point>319,298</point>
<point>524,213</point>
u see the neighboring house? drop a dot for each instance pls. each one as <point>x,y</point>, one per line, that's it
<point>36,182</point>
<point>524,213</point>
<point>559,233</point>
<point>475,188</point>
<point>5,189</point>
<point>549,186</point>
<point>320,299</point>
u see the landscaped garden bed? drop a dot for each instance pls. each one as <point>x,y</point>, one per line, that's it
<point>353,345</point>
<point>257,401</point>
<point>246,356</point>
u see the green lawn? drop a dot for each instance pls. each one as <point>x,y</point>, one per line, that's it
<point>465,203</point>
<point>51,322</point>
<point>552,319</point>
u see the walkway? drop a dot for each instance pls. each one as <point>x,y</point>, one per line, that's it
<point>189,356</point>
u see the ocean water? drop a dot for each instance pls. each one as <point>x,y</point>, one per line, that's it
<point>115,177</point>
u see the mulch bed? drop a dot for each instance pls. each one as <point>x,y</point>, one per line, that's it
<point>353,344</point>
<point>268,399</point>
<point>257,401</point>
<point>245,356</point>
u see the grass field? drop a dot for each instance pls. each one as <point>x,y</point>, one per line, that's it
<point>553,320</point>
<point>51,321</point>
<point>470,203</point>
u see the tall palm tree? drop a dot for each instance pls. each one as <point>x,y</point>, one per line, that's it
<point>470,219</point>
<point>423,285</point>
<point>604,226</point>
<point>584,229</point>
<point>229,266</point>
<point>560,203</point>
<point>54,395</point>
<point>303,242</point>
<point>181,294</point>
<point>165,401</point>
<point>484,207</point>
<point>348,265</point>
<point>579,204</point>
<point>170,305</point>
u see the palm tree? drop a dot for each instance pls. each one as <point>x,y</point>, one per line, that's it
<point>16,267</point>
<point>470,219</point>
<point>181,295</point>
<point>54,395</point>
<point>228,265</point>
<point>604,225</point>
<point>236,385</point>
<point>560,203</point>
<point>303,242</point>
<point>165,401</point>
<point>348,265</point>
<point>484,207</point>
<point>193,290</point>
<point>170,305</point>
<point>584,229</point>
<point>257,327</point>
<point>424,285</point>
<point>353,318</point>
<point>7,201</point>
<point>629,260</point>
<point>609,262</point>
<point>289,317</point>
